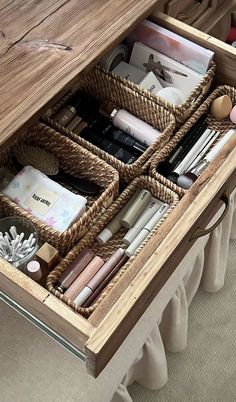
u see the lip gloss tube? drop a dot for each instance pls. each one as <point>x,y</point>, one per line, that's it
<point>130,124</point>
<point>98,278</point>
<point>74,269</point>
<point>145,216</point>
<point>105,282</point>
<point>80,282</point>
<point>138,206</point>
<point>115,224</point>
<point>146,230</point>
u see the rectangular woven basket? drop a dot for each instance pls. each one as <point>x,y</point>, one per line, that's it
<point>105,251</point>
<point>180,112</point>
<point>212,122</point>
<point>103,87</point>
<point>79,162</point>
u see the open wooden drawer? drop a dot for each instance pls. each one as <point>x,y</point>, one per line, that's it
<point>96,340</point>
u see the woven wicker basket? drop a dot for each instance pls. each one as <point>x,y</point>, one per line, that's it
<point>180,112</point>
<point>79,162</point>
<point>213,123</point>
<point>105,251</point>
<point>103,86</point>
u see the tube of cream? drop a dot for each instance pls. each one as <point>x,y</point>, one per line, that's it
<point>130,124</point>
<point>136,209</point>
<point>145,216</point>
<point>146,230</point>
<point>115,224</point>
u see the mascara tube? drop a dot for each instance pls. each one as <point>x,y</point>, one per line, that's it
<point>109,146</point>
<point>105,128</point>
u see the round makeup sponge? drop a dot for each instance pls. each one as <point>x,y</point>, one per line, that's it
<point>221,107</point>
<point>233,115</point>
<point>172,95</point>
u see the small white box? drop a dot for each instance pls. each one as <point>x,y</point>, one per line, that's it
<point>169,72</point>
<point>129,72</point>
<point>151,83</point>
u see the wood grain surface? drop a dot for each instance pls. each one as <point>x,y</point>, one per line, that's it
<point>45,44</point>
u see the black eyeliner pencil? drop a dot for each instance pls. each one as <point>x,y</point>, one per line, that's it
<point>183,147</point>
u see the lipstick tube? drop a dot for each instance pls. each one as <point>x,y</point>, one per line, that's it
<point>99,277</point>
<point>74,269</point>
<point>34,271</point>
<point>65,115</point>
<point>146,230</point>
<point>76,120</point>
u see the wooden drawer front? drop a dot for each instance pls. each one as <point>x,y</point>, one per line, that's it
<point>45,45</point>
<point>224,53</point>
<point>188,12</point>
<point>210,16</point>
<point>100,336</point>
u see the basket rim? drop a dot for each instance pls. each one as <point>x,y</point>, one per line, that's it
<point>89,238</point>
<point>157,99</point>
<point>203,108</point>
<point>89,214</point>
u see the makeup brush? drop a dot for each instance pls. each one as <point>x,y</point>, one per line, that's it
<point>186,180</point>
<point>204,150</point>
<point>183,147</point>
<point>189,158</point>
<point>48,164</point>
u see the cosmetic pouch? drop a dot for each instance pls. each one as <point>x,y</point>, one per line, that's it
<point>102,86</point>
<point>181,112</point>
<point>105,251</point>
<point>215,124</point>
<point>45,199</point>
<point>76,161</point>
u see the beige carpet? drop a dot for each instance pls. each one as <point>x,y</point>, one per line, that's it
<point>206,370</point>
<point>33,368</point>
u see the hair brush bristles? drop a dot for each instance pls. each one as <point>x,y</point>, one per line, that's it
<point>39,158</point>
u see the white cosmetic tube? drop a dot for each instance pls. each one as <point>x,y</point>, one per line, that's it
<point>135,210</point>
<point>146,230</point>
<point>204,150</point>
<point>145,216</point>
<point>115,224</point>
